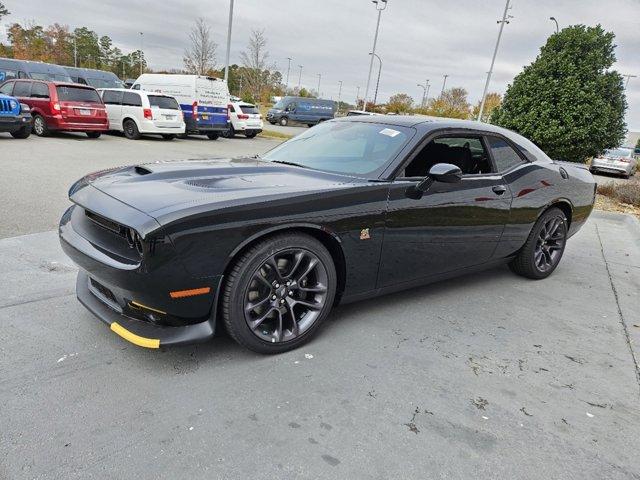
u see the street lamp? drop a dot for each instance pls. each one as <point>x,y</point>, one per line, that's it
<point>286,87</point>
<point>425,89</point>
<point>375,96</point>
<point>339,94</point>
<point>319,78</point>
<point>626,84</point>
<point>226,63</point>
<point>505,20</point>
<point>557,27</point>
<point>299,78</point>
<point>141,48</point>
<point>380,6</point>
<point>357,95</point>
<point>444,84</point>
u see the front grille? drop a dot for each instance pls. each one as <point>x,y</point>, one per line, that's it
<point>5,106</point>
<point>104,294</point>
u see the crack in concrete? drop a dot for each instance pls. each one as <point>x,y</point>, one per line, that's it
<point>620,315</point>
<point>37,298</point>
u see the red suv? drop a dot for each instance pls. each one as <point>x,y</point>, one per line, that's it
<point>60,106</point>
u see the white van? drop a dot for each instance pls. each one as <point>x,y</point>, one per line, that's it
<point>141,112</point>
<point>203,100</point>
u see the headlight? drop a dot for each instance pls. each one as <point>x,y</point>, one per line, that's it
<point>24,108</point>
<point>134,240</point>
<point>13,104</point>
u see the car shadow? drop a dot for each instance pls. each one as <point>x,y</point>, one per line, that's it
<point>222,348</point>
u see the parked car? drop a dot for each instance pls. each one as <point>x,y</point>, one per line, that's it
<point>302,110</point>
<point>60,106</point>
<point>15,117</point>
<point>128,82</point>
<point>204,100</point>
<point>616,160</point>
<point>138,113</point>
<point>12,69</point>
<point>350,209</point>
<point>95,78</point>
<point>244,118</point>
<point>355,113</point>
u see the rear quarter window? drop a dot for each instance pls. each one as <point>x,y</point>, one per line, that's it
<point>77,94</point>
<point>251,109</point>
<point>131,99</point>
<point>158,101</point>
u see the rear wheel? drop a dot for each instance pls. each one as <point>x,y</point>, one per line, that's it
<point>543,250</point>
<point>168,136</point>
<point>230,133</point>
<point>93,134</point>
<point>24,132</point>
<point>40,126</point>
<point>284,121</point>
<point>309,125</point>
<point>278,293</point>
<point>213,135</point>
<point>250,134</point>
<point>131,130</point>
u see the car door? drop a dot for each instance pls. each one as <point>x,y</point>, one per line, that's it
<point>113,103</point>
<point>452,225</point>
<point>39,97</point>
<point>132,108</point>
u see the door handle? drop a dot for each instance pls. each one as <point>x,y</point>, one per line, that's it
<point>499,189</point>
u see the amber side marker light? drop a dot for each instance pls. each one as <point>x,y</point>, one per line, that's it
<point>190,293</point>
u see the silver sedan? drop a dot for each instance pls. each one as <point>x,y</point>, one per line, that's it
<point>616,160</point>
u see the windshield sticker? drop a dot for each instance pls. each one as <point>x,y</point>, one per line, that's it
<point>389,132</point>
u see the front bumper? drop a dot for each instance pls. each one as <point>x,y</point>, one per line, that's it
<point>14,123</point>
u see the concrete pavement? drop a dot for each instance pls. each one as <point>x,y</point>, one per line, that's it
<point>485,376</point>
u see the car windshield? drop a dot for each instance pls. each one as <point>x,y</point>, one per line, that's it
<point>352,148</point>
<point>249,109</point>
<point>279,105</point>
<point>618,152</point>
<point>159,101</point>
<point>77,94</point>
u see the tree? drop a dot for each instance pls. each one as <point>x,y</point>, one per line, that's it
<point>399,103</point>
<point>568,101</point>
<point>255,62</point>
<point>451,103</point>
<point>3,11</point>
<point>492,102</point>
<point>200,57</point>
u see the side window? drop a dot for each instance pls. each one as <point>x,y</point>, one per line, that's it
<point>231,109</point>
<point>22,75</point>
<point>6,88</point>
<point>110,97</point>
<point>504,156</point>
<point>136,87</point>
<point>22,89</point>
<point>467,153</point>
<point>291,107</point>
<point>131,99</point>
<point>39,90</point>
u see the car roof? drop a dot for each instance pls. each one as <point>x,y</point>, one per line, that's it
<point>146,92</point>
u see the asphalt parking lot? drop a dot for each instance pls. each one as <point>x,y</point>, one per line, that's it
<point>485,376</point>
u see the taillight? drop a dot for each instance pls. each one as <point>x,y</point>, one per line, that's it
<point>148,114</point>
<point>243,116</point>
<point>55,106</point>
<point>624,160</point>
<point>194,111</point>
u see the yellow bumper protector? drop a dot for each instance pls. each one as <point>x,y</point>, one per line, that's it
<point>133,338</point>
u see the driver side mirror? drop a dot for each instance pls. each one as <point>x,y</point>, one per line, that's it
<point>440,172</point>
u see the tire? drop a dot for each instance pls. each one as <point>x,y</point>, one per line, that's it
<point>183,136</point>
<point>93,134</point>
<point>213,135</point>
<point>532,261</point>
<point>39,126</point>
<point>250,134</point>
<point>272,123</point>
<point>230,133</point>
<point>23,133</point>
<point>300,259</point>
<point>168,136</point>
<point>309,125</point>
<point>284,121</point>
<point>131,130</point>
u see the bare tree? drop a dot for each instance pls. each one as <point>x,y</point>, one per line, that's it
<point>255,61</point>
<point>3,11</point>
<point>200,57</point>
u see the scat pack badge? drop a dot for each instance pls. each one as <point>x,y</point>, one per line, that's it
<point>364,234</point>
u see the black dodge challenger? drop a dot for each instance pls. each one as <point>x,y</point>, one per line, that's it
<point>350,209</point>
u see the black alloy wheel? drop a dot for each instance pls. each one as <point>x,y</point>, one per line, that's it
<point>543,250</point>
<point>131,130</point>
<point>278,293</point>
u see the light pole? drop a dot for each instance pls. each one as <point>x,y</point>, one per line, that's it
<point>141,47</point>
<point>288,70</point>
<point>380,6</point>
<point>626,84</point>
<point>357,95</point>
<point>226,63</point>
<point>299,78</point>
<point>505,19</point>
<point>444,84</point>
<point>424,92</point>
<point>75,51</point>
<point>427,95</point>
<point>319,78</point>
<point>375,96</point>
<point>339,94</point>
<point>557,27</point>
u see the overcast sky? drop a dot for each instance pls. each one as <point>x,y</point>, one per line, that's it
<point>419,39</point>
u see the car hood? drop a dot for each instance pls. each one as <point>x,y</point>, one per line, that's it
<point>169,190</point>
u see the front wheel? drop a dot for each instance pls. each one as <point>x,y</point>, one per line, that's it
<point>544,247</point>
<point>230,133</point>
<point>93,134</point>
<point>250,134</point>
<point>284,121</point>
<point>278,293</point>
<point>213,135</point>
<point>40,126</point>
<point>24,132</point>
